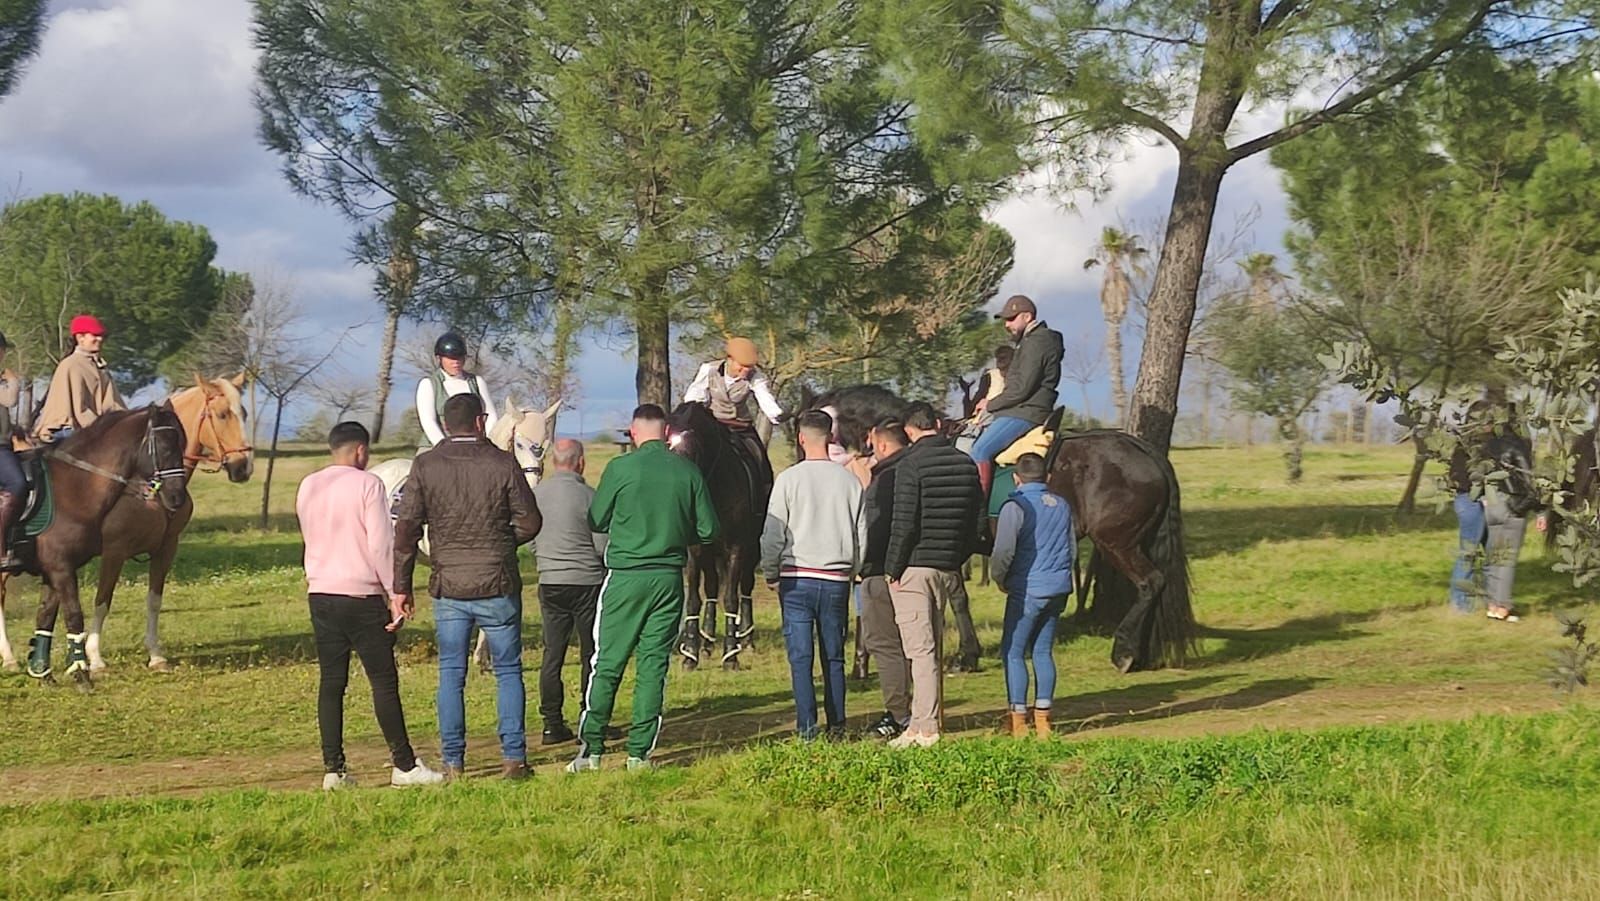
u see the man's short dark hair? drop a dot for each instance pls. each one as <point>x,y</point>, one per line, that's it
<point>893,431</point>
<point>922,416</point>
<point>649,413</point>
<point>1030,468</point>
<point>346,434</point>
<point>461,413</point>
<point>817,422</point>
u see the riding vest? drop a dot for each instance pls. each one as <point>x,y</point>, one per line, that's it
<point>730,400</point>
<point>1036,526</point>
<point>439,395</point>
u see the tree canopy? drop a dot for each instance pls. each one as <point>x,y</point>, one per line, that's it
<point>21,28</point>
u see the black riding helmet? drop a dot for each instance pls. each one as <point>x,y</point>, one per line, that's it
<point>451,345</point>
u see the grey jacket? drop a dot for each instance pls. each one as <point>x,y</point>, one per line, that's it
<point>568,553</point>
<point>1032,378</point>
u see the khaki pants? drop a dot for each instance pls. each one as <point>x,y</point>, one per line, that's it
<point>919,600</point>
<point>881,637</point>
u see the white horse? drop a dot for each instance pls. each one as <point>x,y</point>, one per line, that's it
<point>528,434</point>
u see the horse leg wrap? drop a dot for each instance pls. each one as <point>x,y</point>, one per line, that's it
<point>747,613</point>
<point>688,642</point>
<point>77,654</point>
<point>731,645</point>
<point>711,615</point>
<point>39,654</point>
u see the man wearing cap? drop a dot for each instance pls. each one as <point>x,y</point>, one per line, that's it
<point>449,378</point>
<point>733,388</point>
<point>1029,396</point>
<point>81,389</point>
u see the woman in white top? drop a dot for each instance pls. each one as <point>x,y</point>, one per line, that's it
<point>449,378</point>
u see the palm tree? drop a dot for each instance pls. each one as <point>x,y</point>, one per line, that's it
<point>1262,271</point>
<point>1123,258</point>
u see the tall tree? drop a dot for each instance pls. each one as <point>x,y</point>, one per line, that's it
<point>21,27</point>
<point>1182,71</point>
<point>1271,355</point>
<point>652,161</point>
<point>1123,257</point>
<point>1261,269</point>
<point>149,279</point>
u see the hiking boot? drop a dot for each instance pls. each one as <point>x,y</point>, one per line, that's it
<point>1041,722</point>
<point>638,765</point>
<point>419,774</point>
<point>834,733</point>
<point>338,781</point>
<point>558,734</point>
<point>514,770</point>
<point>453,772</point>
<point>915,740</point>
<point>1017,723</point>
<point>887,726</point>
<point>584,764</point>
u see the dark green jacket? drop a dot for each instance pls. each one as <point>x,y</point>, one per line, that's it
<point>655,505</point>
<point>1032,378</point>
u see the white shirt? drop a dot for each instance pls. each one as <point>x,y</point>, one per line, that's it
<point>427,410</point>
<point>700,390</point>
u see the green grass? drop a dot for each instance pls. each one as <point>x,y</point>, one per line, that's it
<point>1340,734</point>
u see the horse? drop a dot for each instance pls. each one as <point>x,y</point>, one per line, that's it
<point>124,454</point>
<point>526,433</point>
<point>739,488</point>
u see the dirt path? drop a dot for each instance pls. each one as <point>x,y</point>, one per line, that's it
<point>1162,711</point>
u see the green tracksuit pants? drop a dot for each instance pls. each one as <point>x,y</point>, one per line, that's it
<point>639,611</point>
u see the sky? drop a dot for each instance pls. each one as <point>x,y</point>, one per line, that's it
<point>151,100</point>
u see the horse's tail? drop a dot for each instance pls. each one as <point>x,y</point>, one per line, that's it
<point>1175,634</point>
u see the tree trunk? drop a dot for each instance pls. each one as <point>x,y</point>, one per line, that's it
<point>391,330</point>
<point>652,380</point>
<point>1205,403</point>
<point>1119,391</point>
<point>1368,433</point>
<point>272,459</point>
<point>1408,501</point>
<point>1294,445</point>
<point>1088,413</point>
<point>1172,299</point>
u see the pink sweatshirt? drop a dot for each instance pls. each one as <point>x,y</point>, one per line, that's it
<point>344,519</point>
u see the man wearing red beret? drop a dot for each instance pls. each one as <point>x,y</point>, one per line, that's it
<point>81,389</point>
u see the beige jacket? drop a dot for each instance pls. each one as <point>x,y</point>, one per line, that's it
<point>80,391</point>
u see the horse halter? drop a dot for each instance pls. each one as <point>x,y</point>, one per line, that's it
<point>223,452</point>
<point>538,450</point>
<point>160,473</point>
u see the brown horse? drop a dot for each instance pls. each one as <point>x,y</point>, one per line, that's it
<point>137,454</point>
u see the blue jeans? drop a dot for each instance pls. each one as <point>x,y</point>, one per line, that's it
<point>1030,623</point>
<point>815,611</point>
<point>11,477</point>
<point>1001,434</point>
<point>501,620</point>
<point>1469,513</point>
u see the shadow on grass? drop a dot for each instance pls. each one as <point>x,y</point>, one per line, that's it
<point>1253,644</point>
<point>1143,703</point>
<point>276,650</point>
<point>1212,532</point>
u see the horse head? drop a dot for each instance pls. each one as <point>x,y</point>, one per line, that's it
<point>213,416</point>
<point>160,457</point>
<point>694,433</point>
<point>527,434</point>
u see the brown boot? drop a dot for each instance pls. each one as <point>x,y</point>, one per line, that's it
<point>1041,722</point>
<point>10,509</point>
<point>514,770</point>
<point>1017,724</point>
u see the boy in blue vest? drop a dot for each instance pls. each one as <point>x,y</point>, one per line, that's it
<point>1034,553</point>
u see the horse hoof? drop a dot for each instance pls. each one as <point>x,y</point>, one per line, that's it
<point>82,682</point>
<point>730,664</point>
<point>690,664</point>
<point>97,667</point>
<point>160,665</point>
<point>10,666</point>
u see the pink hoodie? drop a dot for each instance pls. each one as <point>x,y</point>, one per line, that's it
<point>344,519</point>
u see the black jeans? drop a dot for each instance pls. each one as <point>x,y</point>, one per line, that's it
<point>564,609</point>
<point>341,624</point>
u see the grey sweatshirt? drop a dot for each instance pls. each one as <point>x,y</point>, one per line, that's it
<point>816,524</point>
<point>568,553</point>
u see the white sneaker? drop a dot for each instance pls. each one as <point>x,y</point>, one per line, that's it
<point>417,775</point>
<point>336,781</point>
<point>637,764</point>
<point>583,764</point>
<point>909,739</point>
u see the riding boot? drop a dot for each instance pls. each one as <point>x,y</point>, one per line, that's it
<point>986,480</point>
<point>39,654</point>
<point>10,509</point>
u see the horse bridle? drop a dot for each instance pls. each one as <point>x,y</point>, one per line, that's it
<point>535,448</point>
<point>158,473</point>
<point>223,451</point>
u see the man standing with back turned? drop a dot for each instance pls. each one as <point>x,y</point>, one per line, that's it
<point>654,504</point>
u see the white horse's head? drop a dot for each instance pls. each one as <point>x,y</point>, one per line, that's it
<point>528,434</point>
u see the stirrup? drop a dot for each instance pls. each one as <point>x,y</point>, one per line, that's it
<point>39,654</point>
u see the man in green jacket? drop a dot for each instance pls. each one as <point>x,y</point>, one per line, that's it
<point>655,505</point>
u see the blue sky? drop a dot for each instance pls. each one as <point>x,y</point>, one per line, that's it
<point>151,100</point>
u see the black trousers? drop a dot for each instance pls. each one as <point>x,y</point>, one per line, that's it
<point>565,609</point>
<point>342,624</point>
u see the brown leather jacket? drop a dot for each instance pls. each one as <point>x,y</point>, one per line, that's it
<point>478,508</point>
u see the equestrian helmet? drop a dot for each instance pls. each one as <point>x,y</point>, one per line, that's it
<point>450,346</point>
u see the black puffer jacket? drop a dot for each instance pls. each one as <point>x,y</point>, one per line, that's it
<point>879,505</point>
<point>478,507</point>
<point>937,501</point>
<point>1032,378</point>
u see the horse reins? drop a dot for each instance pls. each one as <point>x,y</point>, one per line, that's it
<point>223,451</point>
<point>158,474</point>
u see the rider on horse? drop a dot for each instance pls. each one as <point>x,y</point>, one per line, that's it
<point>1031,380</point>
<point>448,378</point>
<point>81,389</point>
<point>13,484</point>
<point>733,388</point>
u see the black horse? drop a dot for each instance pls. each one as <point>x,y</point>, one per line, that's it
<point>1125,499</point>
<point>740,488</point>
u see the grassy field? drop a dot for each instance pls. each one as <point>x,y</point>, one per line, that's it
<point>1341,734</point>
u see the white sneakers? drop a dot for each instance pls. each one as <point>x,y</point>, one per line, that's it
<point>909,739</point>
<point>336,781</point>
<point>417,775</point>
<point>639,764</point>
<point>583,764</point>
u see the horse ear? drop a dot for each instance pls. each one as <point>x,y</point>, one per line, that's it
<point>511,407</point>
<point>240,379</point>
<point>550,411</point>
<point>166,405</point>
<point>200,380</point>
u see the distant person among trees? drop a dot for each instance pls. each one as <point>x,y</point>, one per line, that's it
<point>448,379</point>
<point>1492,525</point>
<point>1034,551</point>
<point>734,388</point>
<point>13,484</point>
<point>81,389</point>
<point>1031,381</point>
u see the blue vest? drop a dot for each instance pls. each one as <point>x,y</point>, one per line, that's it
<point>1046,545</point>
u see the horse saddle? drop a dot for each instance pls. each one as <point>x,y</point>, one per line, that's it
<point>38,508</point>
<point>1036,441</point>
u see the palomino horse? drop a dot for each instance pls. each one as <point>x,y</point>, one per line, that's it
<point>213,419</point>
<point>739,490</point>
<point>136,454</point>
<point>528,434</point>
